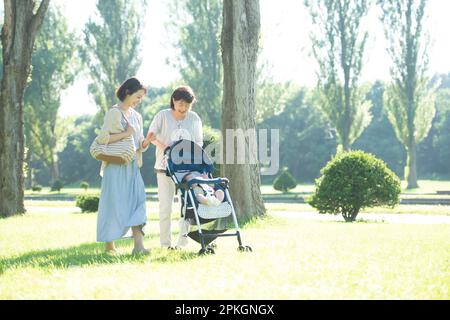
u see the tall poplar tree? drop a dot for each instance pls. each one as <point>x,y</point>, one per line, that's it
<point>111,48</point>
<point>408,100</point>
<point>338,46</point>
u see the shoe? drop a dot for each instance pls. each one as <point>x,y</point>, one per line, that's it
<point>140,251</point>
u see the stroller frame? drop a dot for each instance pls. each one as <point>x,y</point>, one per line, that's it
<point>188,201</point>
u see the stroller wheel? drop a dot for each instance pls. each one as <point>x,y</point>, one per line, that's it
<point>212,245</point>
<point>206,251</point>
<point>245,249</point>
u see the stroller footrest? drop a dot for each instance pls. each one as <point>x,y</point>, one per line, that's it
<point>214,212</point>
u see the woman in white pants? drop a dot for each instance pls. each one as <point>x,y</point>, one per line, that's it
<point>168,126</point>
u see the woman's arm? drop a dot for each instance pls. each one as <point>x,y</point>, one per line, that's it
<point>111,130</point>
<point>119,136</point>
<point>153,130</point>
<point>144,143</point>
<point>151,138</point>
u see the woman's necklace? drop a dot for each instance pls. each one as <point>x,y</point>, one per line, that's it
<point>180,121</point>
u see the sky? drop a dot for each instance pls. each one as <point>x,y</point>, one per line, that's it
<point>285,29</point>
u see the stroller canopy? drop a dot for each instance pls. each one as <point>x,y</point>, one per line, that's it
<point>186,155</point>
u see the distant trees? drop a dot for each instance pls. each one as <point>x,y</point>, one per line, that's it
<point>22,21</point>
<point>76,163</point>
<point>271,96</point>
<point>408,101</point>
<point>379,137</point>
<point>433,153</point>
<point>338,46</point>
<point>111,54</point>
<point>198,24</point>
<point>54,68</point>
<point>306,144</point>
<point>111,47</point>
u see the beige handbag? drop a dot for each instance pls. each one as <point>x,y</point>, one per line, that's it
<point>119,152</point>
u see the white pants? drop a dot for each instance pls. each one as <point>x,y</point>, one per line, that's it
<point>166,194</point>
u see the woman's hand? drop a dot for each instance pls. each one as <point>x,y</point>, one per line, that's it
<point>151,138</point>
<point>147,140</point>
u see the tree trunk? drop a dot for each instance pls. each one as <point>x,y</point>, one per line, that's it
<point>29,178</point>
<point>411,166</point>
<point>350,215</point>
<point>54,169</point>
<point>240,41</point>
<point>18,34</point>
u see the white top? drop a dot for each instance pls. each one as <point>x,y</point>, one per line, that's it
<point>168,130</point>
<point>138,129</point>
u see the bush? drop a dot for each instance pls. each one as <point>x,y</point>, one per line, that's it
<point>352,181</point>
<point>57,186</point>
<point>87,203</point>
<point>36,187</point>
<point>284,182</point>
<point>84,185</point>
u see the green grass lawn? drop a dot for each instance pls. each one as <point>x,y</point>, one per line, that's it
<point>52,254</point>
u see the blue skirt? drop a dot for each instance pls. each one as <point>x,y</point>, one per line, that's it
<point>122,202</point>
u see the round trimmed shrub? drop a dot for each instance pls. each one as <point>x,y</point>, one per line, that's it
<point>284,182</point>
<point>88,202</point>
<point>84,185</point>
<point>352,181</point>
<point>57,186</point>
<point>36,187</point>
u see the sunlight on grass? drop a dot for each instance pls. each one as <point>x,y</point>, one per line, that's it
<point>55,256</point>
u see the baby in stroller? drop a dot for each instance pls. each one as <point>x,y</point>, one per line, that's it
<point>193,178</point>
<point>204,193</point>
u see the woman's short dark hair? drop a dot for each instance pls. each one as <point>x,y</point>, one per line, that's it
<point>128,87</point>
<point>182,93</point>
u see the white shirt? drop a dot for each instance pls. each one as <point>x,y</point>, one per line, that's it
<point>168,130</point>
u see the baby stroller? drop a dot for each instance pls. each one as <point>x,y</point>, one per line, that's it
<point>186,156</point>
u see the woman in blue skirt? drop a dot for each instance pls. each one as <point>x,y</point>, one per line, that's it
<point>122,197</point>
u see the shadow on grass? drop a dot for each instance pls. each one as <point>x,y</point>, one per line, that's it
<point>90,254</point>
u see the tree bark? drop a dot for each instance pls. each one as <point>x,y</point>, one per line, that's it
<point>54,170</point>
<point>240,44</point>
<point>29,178</point>
<point>18,34</point>
<point>411,166</point>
